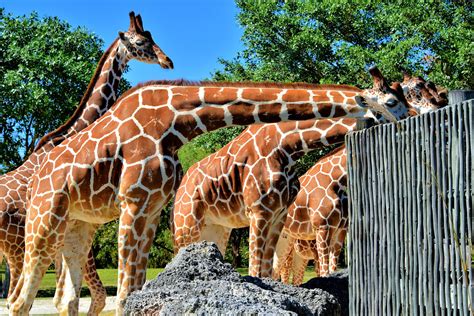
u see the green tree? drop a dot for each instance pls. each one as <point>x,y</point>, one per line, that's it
<point>334,41</point>
<point>45,66</point>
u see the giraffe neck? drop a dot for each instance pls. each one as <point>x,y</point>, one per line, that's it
<point>100,95</point>
<point>198,109</point>
<point>310,135</point>
<point>104,91</point>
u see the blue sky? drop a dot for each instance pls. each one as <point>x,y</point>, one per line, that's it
<point>193,33</point>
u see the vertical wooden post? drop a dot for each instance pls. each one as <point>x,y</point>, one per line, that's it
<point>458,96</point>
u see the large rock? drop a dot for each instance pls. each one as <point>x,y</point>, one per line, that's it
<point>198,281</point>
<point>336,284</point>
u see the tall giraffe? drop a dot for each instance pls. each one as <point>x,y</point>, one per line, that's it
<point>317,220</point>
<point>136,43</point>
<point>125,166</point>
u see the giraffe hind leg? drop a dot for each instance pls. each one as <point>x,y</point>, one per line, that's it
<point>96,287</point>
<point>77,243</point>
<point>45,229</point>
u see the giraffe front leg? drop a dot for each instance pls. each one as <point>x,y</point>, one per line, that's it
<point>335,249</point>
<point>137,230</point>
<point>77,243</point>
<point>265,229</point>
<point>15,263</point>
<point>282,255</point>
<point>45,229</point>
<point>286,267</point>
<point>188,222</point>
<point>322,239</point>
<point>96,287</point>
<point>298,268</point>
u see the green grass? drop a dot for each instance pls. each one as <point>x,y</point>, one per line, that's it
<point>109,279</point>
<point>107,276</point>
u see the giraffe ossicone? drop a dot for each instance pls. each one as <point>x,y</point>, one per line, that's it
<point>101,93</point>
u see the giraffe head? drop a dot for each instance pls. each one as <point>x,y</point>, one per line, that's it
<point>140,45</point>
<point>387,103</point>
<point>423,96</point>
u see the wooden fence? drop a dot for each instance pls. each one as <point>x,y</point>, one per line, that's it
<point>411,188</point>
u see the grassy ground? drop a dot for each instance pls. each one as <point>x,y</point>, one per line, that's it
<point>109,278</point>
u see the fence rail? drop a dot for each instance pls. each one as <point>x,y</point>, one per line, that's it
<point>411,188</point>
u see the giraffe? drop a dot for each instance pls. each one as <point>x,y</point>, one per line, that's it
<point>251,175</point>
<point>317,220</point>
<point>99,96</point>
<point>125,166</point>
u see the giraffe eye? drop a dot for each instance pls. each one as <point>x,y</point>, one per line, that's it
<point>139,43</point>
<point>391,103</point>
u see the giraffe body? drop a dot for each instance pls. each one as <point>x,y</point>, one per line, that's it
<point>319,215</point>
<point>249,179</point>
<point>100,95</point>
<point>125,166</point>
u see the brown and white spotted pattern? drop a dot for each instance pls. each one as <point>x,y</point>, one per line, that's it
<point>319,213</point>
<point>125,166</point>
<point>99,97</point>
<point>250,182</point>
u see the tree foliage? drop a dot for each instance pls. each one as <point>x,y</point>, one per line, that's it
<point>45,66</point>
<point>334,41</point>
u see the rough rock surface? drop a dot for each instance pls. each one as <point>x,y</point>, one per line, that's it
<point>198,282</point>
<point>336,284</point>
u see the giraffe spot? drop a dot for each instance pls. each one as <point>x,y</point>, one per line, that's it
<point>325,109</point>
<point>155,97</point>
<point>127,129</point>
<point>115,66</point>
<point>185,98</point>
<point>125,108</point>
<point>106,90</point>
<point>296,95</point>
<point>260,94</point>
<point>187,125</point>
<point>171,143</point>
<point>241,113</point>
<point>212,117</point>
<point>130,176</point>
<point>138,149</point>
<point>219,95</point>
<point>269,113</point>
<point>300,111</point>
<point>340,111</point>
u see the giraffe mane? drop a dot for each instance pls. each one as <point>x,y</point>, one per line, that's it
<point>241,84</point>
<point>82,104</point>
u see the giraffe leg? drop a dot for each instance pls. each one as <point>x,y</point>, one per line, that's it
<point>44,235</point>
<point>283,253</point>
<point>298,267</point>
<point>265,229</point>
<point>286,267</point>
<point>336,246</point>
<point>188,222</point>
<point>323,249</point>
<point>97,289</point>
<point>217,234</point>
<point>77,243</point>
<point>136,234</point>
<point>15,262</point>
